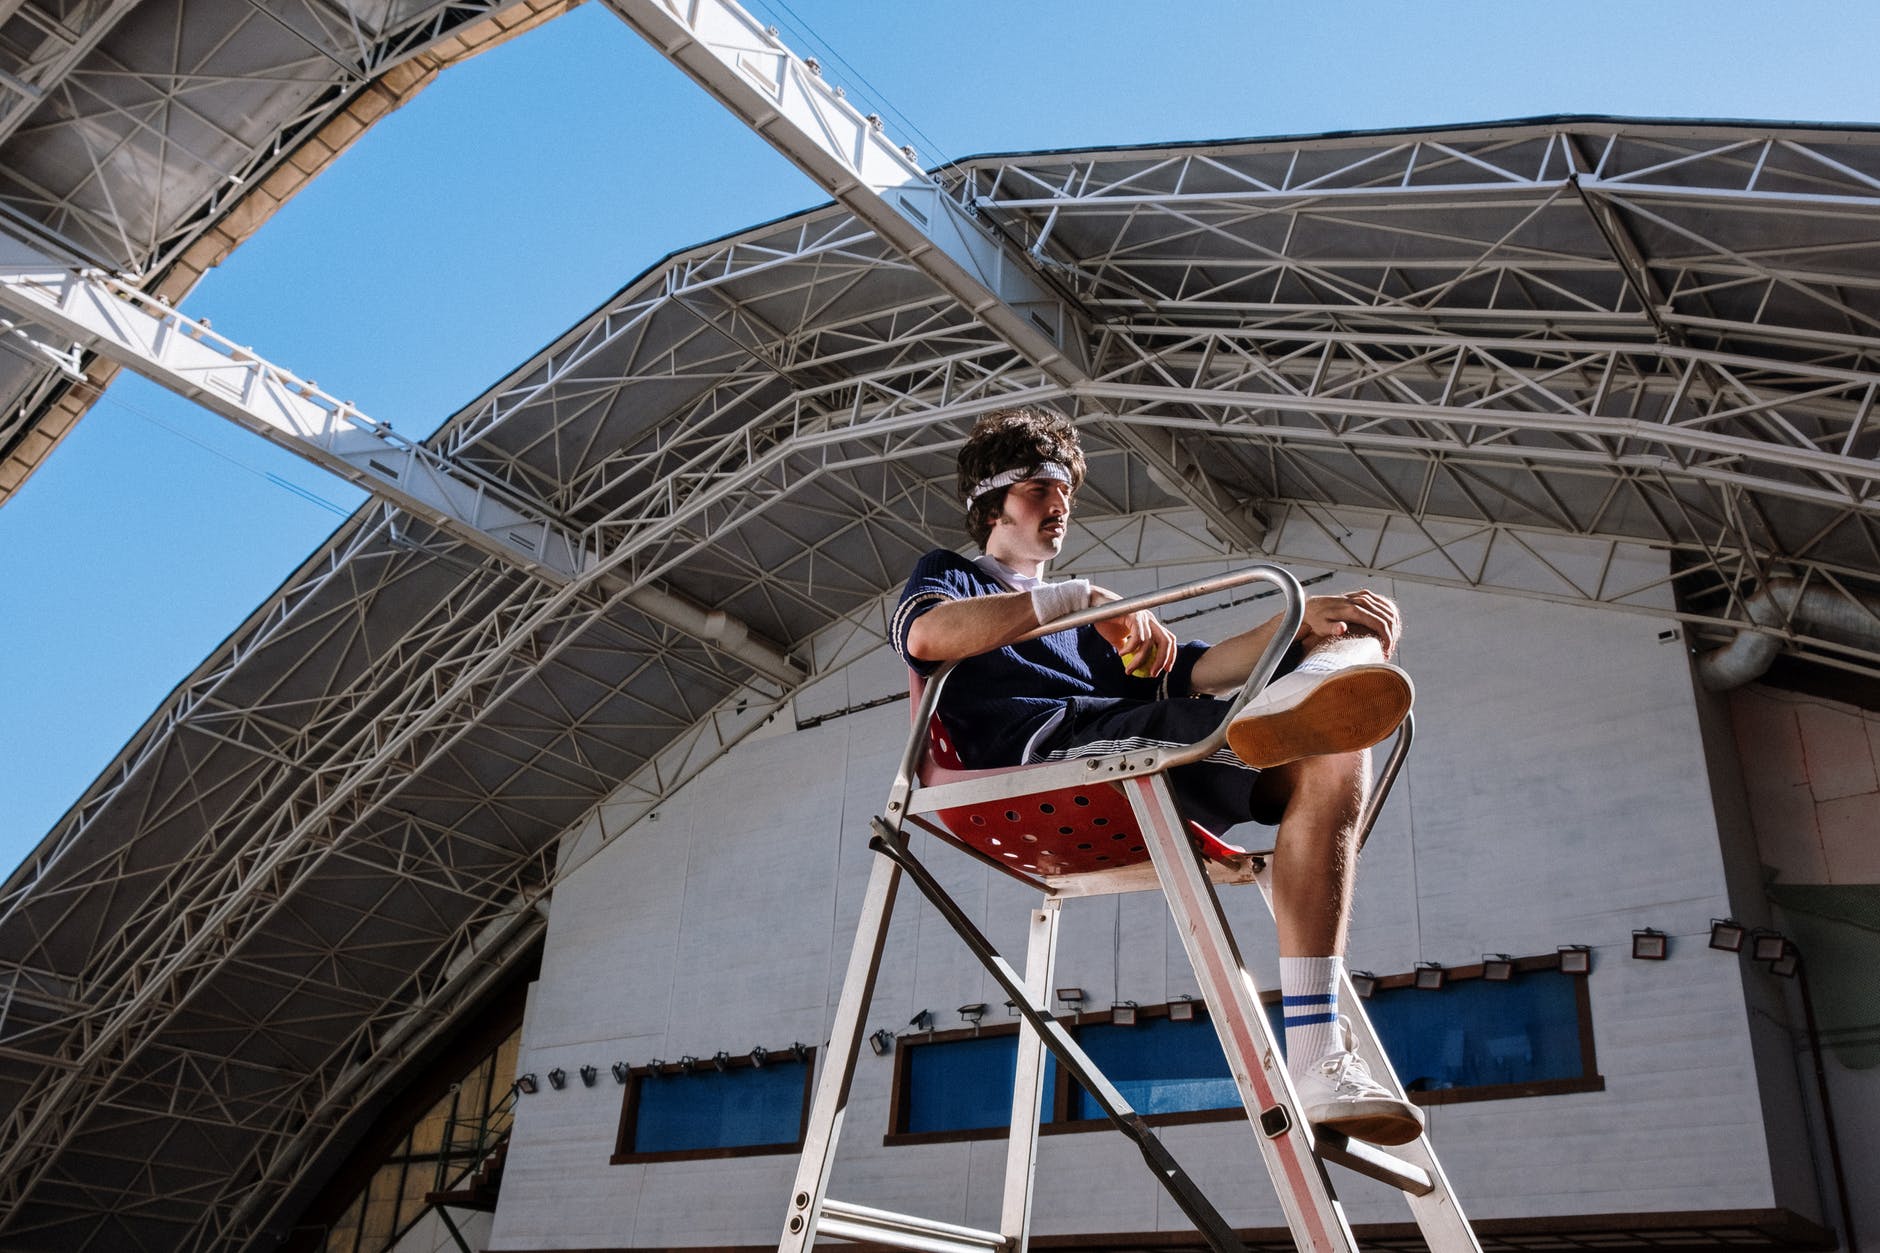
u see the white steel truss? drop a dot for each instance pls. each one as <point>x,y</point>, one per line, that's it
<point>1574,361</point>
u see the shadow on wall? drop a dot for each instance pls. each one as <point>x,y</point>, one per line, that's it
<point>1837,928</point>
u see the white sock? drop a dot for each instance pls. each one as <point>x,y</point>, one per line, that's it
<point>1355,649</point>
<point>1308,988</point>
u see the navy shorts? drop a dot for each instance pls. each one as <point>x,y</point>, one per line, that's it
<point>1216,792</point>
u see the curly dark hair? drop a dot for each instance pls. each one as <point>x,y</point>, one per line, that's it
<point>1023,437</point>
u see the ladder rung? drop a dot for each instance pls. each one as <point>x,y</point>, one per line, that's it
<point>1368,1159</point>
<point>904,1231</point>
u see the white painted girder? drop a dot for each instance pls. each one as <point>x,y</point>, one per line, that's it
<point>748,69</point>
<point>63,43</point>
<point>188,357</point>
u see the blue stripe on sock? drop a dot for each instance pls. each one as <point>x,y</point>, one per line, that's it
<point>1309,1020</point>
<point>1314,998</point>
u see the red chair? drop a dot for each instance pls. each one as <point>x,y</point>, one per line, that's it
<point>1083,829</point>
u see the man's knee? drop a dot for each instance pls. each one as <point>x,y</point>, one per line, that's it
<point>1335,784</point>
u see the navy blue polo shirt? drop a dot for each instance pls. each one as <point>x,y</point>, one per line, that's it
<point>997,705</point>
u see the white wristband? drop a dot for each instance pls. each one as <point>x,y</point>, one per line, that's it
<point>1051,601</point>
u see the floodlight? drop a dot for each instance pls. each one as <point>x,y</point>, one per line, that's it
<point>800,1051</point>
<point>1766,945</point>
<point>1576,959</point>
<point>881,1041</point>
<point>974,1012</point>
<point>558,1078</point>
<point>1071,996</point>
<point>1123,1013</point>
<point>923,1021</point>
<point>1430,976</point>
<point>1789,964</point>
<point>1363,982</point>
<point>527,1085</point>
<point>588,1075</point>
<point>1727,934</point>
<point>721,1061</point>
<point>1650,944</point>
<point>759,1056</point>
<point>1182,1010</point>
<point>622,1072</point>
<point>1497,967</point>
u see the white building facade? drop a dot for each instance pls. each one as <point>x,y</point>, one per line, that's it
<point>1571,784</point>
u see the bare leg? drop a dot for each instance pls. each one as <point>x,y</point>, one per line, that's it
<point>1316,859</point>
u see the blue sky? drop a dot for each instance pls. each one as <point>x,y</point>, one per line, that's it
<point>521,189</point>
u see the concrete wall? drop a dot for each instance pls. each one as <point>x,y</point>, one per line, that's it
<point>1558,795</point>
<point>1810,771</point>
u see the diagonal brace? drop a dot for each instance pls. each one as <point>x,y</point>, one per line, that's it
<point>1168,1172</point>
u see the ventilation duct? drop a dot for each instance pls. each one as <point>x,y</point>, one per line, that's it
<point>1848,619</point>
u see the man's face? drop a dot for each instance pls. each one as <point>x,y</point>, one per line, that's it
<point>1030,525</point>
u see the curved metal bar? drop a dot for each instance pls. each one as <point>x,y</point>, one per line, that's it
<point>1386,777</point>
<point>1292,615</point>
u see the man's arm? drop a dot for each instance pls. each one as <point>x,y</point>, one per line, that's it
<point>955,629</point>
<point>1226,665</point>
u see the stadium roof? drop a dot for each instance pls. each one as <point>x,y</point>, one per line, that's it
<point>1593,360</point>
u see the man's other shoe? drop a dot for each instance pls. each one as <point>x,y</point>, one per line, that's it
<point>1342,698</point>
<point>1337,1092</point>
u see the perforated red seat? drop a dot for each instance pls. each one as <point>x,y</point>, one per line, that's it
<point>1068,831</point>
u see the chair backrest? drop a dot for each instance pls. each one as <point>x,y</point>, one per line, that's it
<point>1073,830</point>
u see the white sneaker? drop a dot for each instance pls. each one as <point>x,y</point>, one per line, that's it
<point>1336,1092</point>
<point>1343,697</point>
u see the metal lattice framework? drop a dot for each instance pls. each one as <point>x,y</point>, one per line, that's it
<point>151,136</point>
<point>1593,361</point>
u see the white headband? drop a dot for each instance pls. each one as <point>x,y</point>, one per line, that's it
<point>1049,470</point>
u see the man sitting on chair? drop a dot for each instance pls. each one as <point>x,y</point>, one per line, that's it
<point>1298,751</point>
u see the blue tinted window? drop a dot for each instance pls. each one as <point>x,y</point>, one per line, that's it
<point>1474,1033</point>
<point>1470,1034</point>
<point>965,1085</point>
<point>742,1107</point>
<point>1159,1065</point>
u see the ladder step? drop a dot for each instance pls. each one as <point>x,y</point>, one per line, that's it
<point>1368,1159</point>
<point>904,1231</point>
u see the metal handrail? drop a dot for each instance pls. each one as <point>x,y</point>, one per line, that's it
<point>906,781</point>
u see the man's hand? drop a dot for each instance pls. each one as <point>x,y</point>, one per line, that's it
<point>1145,645</point>
<point>1364,612</point>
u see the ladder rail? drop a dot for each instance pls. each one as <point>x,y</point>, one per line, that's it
<point>1180,1186</point>
<point>1313,1212</point>
<point>838,1063</point>
<point>1021,1157</point>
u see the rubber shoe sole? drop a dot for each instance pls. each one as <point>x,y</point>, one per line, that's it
<point>1315,715</point>
<point>1375,1121</point>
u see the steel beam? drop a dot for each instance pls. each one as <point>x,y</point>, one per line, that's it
<point>63,43</point>
<point>785,99</point>
<point>116,320</point>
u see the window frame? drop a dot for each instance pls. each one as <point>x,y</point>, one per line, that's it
<point>630,1107</point>
<point>1057,1101</point>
